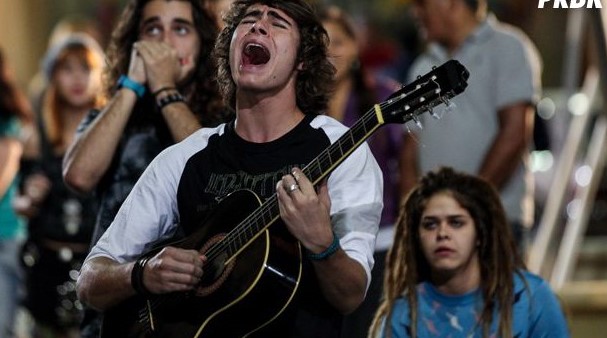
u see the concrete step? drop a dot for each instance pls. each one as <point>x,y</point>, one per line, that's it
<point>585,303</point>
<point>591,264</point>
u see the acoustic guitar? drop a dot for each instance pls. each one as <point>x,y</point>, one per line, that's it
<point>254,270</point>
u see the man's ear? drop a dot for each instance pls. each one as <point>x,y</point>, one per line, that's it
<point>300,66</point>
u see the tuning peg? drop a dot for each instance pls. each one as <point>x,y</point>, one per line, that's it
<point>434,114</point>
<point>413,137</point>
<point>418,123</point>
<point>449,106</point>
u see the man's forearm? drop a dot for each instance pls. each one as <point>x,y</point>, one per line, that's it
<point>91,153</point>
<point>510,144</point>
<point>343,281</point>
<point>501,161</point>
<point>180,119</point>
<point>104,283</point>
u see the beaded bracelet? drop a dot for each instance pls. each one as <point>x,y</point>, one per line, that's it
<point>137,277</point>
<point>126,82</point>
<point>168,99</point>
<point>327,252</point>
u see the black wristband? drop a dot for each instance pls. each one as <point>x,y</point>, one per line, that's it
<point>168,99</point>
<point>137,277</point>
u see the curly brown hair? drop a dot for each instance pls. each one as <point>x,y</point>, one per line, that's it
<point>406,266</point>
<point>314,81</point>
<point>200,88</point>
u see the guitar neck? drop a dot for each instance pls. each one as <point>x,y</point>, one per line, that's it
<point>428,91</point>
<point>335,154</point>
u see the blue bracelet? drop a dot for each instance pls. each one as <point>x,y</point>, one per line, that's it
<point>328,251</point>
<point>126,82</point>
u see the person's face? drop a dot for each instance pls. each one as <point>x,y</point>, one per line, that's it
<point>448,237</point>
<point>76,83</point>
<point>433,18</point>
<point>343,50</point>
<point>172,22</point>
<point>263,50</point>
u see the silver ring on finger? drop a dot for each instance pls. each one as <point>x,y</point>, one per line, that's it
<point>293,187</point>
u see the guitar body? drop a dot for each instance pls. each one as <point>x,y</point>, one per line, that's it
<point>254,287</point>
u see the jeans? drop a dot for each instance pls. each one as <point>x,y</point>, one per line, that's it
<point>10,284</point>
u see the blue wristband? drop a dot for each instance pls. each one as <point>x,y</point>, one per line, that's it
<point>328,251</point>
<point>126,82</point>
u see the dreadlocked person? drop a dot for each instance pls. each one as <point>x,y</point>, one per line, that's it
<point>454,271</point>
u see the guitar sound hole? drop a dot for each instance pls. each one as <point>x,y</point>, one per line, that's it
<point>216,270</point>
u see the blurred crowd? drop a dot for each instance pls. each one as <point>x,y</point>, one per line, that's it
<point>66,141</point>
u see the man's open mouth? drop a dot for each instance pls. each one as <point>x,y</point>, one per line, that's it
<point>255,54</point>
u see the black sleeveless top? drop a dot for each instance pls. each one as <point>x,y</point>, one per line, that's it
<point>63,215</point>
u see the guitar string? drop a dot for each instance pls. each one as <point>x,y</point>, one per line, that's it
<point>325,157</point>
<point>233,237</point>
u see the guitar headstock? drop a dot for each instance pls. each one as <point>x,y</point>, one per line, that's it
<point>427,91</point>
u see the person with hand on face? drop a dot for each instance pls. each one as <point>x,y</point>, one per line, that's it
<point>160,78</point>
<point>454,269</point>
<point>274,72</point>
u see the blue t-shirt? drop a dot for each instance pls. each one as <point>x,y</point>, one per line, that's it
<point>11,226</point>
<point>536,313</point>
